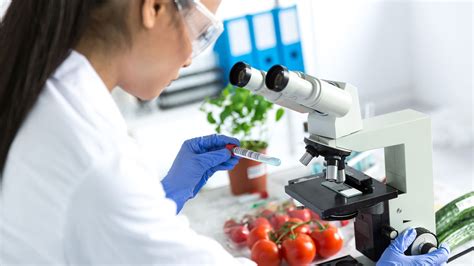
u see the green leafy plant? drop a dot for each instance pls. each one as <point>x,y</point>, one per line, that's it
<point>242,114</point>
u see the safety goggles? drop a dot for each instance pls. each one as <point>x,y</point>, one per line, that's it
<point>203,27</point>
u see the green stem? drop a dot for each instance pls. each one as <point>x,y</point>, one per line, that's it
<point>290,229</point>
<point>320,226</point>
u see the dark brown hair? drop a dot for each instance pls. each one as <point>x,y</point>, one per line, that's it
<point>36,36</point>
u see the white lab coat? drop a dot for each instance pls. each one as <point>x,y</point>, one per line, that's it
<point>75,192</point>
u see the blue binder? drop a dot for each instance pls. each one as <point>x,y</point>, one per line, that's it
<point>264,40</point>
<point>288,37</point>
<point>234,45</point>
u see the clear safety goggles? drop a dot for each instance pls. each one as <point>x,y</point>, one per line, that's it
<point>203,27</point>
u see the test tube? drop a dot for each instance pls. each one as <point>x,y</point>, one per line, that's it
<point>253,155</point>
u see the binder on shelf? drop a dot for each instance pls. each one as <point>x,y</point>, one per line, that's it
<point>234,45</point>
<point>289,37</point>
<point>264,40</point>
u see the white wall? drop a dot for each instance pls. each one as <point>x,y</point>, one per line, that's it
<point>442,53</point>
<point>366,43</point>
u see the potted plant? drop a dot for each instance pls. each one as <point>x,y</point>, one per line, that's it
<point>243,115</point>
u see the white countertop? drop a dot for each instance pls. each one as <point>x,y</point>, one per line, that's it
<point>211,208</point>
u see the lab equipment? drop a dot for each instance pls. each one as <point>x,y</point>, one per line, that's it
<point>395,253</point>
<point>234,44</point>
<point>335,130</point>
<point>253,155</point>
<point>262,40</point>
<point>197,160</point>
<point>203,27</point>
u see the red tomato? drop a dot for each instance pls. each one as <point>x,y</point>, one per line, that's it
<point>314,216</point>
<point>290,208</point>
<point>259,221</point>
<point>328,241</point>
<point>239,234</point>
<point>228,225</point>
<point>266,213</point>
<point>302,229</point>
<point>344,223</point>
<point>302,214</point>
<point>278,220</point>
<point>259,232</point>
<point>298,250</point>
<point>265,252</point>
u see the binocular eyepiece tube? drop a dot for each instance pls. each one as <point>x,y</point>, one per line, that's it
<point>295,90</point>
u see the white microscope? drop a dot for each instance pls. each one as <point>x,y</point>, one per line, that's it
<point>335,129</point>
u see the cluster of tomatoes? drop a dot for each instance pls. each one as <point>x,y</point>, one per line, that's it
<point>297,236</point>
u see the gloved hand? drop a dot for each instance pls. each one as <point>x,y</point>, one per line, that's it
<point>197,160</point>
<point>394,254</point>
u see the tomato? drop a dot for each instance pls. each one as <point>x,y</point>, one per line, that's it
<point>328,241</point>
<point>314,216</point>
<point>302,229</point>
<point>228,225</point>
<point>278,220</point>
<point>298,249</point>
<point>265,252</point>
<point>259,221</point>
<point>266,213</point>
<point>239,234</point>
<point>290,209</point>
<point>344,223</point>
<point>302,214</point>
<point>259,232</point>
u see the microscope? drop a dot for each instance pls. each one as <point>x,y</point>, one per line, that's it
<point>335,126</point>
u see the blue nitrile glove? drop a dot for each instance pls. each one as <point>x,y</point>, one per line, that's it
<point>394,254</point>
<point>197,160</point>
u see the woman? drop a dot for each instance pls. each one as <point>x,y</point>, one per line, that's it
<point>73,189</point>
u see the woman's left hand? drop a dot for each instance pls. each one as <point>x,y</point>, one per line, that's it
<point>197,160</point>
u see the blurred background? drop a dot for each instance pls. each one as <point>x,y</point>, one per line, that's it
<point>399,54</point>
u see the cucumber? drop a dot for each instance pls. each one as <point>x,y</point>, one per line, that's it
<point>459,234</point>
<point>455,214</point>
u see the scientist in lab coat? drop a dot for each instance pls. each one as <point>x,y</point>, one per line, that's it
<point>73,189</point>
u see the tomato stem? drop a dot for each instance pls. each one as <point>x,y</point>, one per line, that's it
<point>320,226</point>
<point>289,229</point>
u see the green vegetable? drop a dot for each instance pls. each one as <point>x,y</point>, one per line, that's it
<point>458,234</point>
<point>455,221</point>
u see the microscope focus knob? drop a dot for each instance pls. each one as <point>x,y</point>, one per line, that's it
<point>424,242</point>
<point>390,232</point>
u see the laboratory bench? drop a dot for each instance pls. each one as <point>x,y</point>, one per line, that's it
<point>208,211</point>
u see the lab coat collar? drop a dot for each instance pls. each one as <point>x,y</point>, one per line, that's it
<point>79,74</point>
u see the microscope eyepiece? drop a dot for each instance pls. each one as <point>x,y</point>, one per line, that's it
<point>240,74</point>
<point>277,78</point>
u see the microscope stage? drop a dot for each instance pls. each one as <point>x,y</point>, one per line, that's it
<point>331,205</point>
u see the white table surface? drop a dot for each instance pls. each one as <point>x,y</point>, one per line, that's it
<point>211,208</point>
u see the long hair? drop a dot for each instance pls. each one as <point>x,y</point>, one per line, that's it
<point>36,36</point>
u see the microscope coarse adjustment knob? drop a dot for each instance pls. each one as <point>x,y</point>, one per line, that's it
<point>424,242</point>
